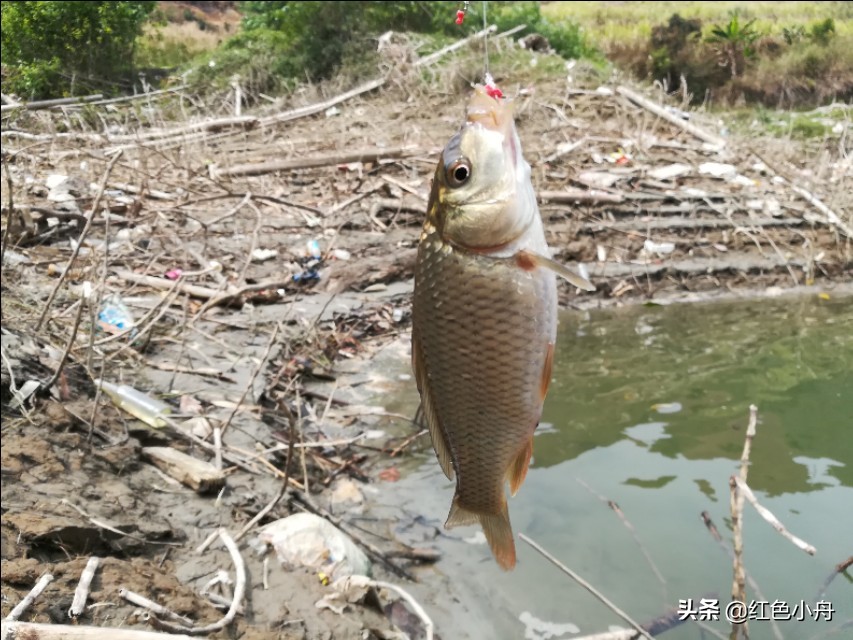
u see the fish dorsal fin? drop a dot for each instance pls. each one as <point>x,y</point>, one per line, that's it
<point>529,260</point>
<point>518,469</point>
<point>428,409</point>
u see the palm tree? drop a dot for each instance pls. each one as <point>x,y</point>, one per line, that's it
<point>734,42</point>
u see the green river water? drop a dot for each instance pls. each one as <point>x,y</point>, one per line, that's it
<point>648,408</point>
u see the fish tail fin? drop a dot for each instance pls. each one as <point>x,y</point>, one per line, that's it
<point>497,528</point>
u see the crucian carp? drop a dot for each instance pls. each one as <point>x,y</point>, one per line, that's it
<point>484,317</point>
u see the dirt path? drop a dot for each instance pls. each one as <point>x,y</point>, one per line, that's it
<point>252,292</point>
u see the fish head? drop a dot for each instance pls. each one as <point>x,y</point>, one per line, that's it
<point>482,197</point>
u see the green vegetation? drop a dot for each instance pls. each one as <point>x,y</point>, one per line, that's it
<point>778,54</point>
<point>59,48</point>
<point>792,54</point>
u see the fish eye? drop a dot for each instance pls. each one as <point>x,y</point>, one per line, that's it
<point>458,172</point>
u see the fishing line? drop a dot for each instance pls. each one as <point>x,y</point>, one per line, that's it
<point>487,76</point>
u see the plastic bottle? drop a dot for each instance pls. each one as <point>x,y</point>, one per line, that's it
<point>149,410</point>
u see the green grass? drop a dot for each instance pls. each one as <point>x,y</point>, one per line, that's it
<point>609,23</point>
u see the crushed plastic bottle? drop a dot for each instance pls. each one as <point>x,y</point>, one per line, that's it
<point>140,405</point>
<point>114,316</point>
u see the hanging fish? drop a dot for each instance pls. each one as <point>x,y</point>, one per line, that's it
<point>484,317</point>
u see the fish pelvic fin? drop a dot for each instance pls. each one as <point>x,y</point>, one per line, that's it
<point>427,409</point>
<point>496,527</point>
<point>529,260</point>
<point>518,469</point>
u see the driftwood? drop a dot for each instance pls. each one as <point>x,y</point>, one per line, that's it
<point>319,107</point>
<point>456,45</point>
<point>200,476</point>
<point>365,155</point>
<point>659,111</point>
<point>216,297</point>
<point>580,195</point>
<point>34,631</point>
<point>765,513</point>
<point>690,266</point>
<point>46,104</point>
<point>686,223</point>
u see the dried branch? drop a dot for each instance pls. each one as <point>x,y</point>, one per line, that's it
<point>429,627</point>
<point>34,631</point>
<point>24,604</point>
<point>153,607</point>
<point>239,592</point>
<point>765,513</point>
<point>586,585</point>
<point>365,155</point>
<point>659,111</point>
<point>81,593</point>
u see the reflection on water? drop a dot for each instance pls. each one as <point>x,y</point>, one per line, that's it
<point>648,408</point>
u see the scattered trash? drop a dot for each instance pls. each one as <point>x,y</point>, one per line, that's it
<point>341,254</point>
<point>718,170</point>
<point>536,629</point>
<point>345,591</point>
<point>332,111</point>
<point>619,157</point>
<point>174,274</point>
<point>345,495</point>
<point>659,248</point>
<point>23,394</point>
<point>604,91</point>
<point>262,255</point>
<point>667,407</point>
<point>306,540</point>
<point>599,179</point>
<point>671,171</point>
<point>311,261</point>
<point>148,409</point>
<point>114,316</point>
<point>601,252</point>
<point>391,474</point>
<point>677,112</point>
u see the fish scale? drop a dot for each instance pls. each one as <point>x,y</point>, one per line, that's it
<point>484,358</point>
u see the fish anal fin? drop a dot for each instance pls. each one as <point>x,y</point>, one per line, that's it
<point>518,468</point>
<point>459,516</point>
<point>497,528</point>
<point>436,433</point>
<point>528,260</point>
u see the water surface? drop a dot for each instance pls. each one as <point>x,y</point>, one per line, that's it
<point>648,408</point>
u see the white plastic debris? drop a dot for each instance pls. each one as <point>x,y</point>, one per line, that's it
<point>718,170</point>
<point>262,255</point>
<point>346,590</point>
<point>600,179</point>
<point>671,171</point>
<point>306,540</point>
<point>601,252</point>
<point>604,91</point>
<point>332,111</point>
<point>660,248</point>
<point>536,629</point>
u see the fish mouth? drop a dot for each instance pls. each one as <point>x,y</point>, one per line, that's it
<point>492,113</point>
<point>495,114</point>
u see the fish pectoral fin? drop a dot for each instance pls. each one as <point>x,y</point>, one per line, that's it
<point>528,259</point>
<point>518,468</point>
<point>427,410</point>
<point>497,528</point>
